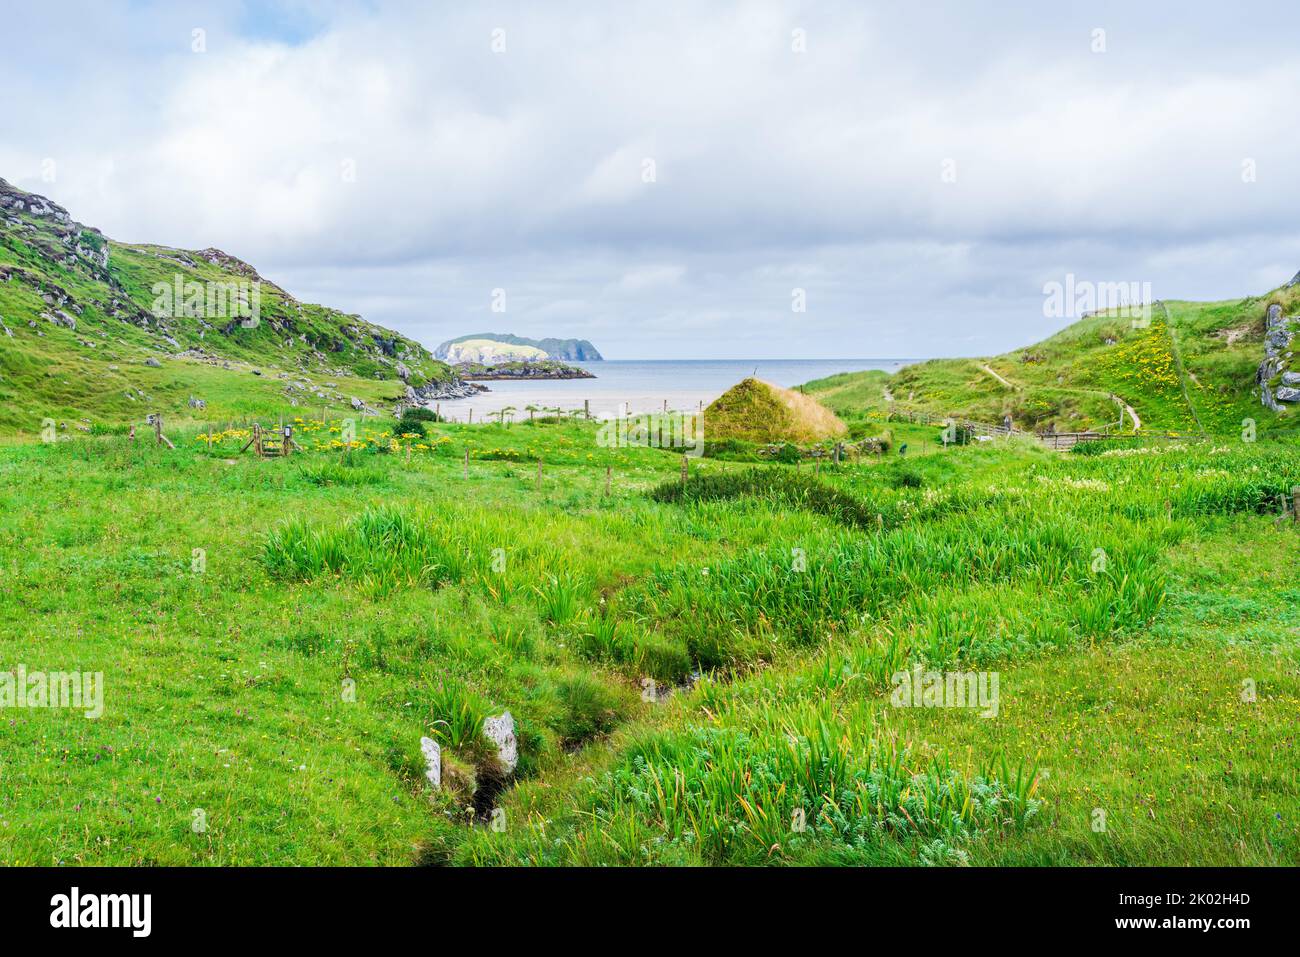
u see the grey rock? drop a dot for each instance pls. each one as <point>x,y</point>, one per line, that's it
<point>152,362</point>
<point>1277,339</point>
<point>1287,394</point>
<point>501,732</point>
<point>432,761</point>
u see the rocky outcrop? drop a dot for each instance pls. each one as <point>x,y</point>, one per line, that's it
<point>19,201</point>
<point>1277,383</point>
<point>436,391</point>
<point>359,406</point>
<point>547,369</point>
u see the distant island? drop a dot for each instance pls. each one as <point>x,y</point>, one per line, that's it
<point>490,348</point>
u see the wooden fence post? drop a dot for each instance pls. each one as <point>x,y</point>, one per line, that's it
<point>607,471</point>
<point>158,433</point>
<point>467,463</point>
<point>1295,504</point>
<point>539,475</point>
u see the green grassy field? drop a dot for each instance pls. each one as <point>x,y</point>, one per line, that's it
<point>1127,601</point>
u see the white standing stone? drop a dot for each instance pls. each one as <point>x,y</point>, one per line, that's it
<point>501,732</point>
<point>432,760</point>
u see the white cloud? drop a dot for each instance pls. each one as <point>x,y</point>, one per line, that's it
<point>650,277</point>
<point>384,159</point>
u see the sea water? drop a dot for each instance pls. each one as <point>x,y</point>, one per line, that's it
<point>638,386</point>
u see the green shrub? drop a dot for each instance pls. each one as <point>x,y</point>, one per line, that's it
<point>591,708</point>
<point>906,478</point>
<point>559,597</point>
<point>413,421</point>
<point>420,414</point>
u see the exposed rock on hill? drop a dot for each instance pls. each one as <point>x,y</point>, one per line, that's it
<point>1276,383</point>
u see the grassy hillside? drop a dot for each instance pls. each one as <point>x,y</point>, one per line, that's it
<point>769,612</point>
<point>82,341</point>
<point>1192,369</point>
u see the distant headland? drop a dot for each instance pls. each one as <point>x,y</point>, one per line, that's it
<point>492,347</point>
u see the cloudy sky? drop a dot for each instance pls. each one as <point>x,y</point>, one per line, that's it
<point>660,177</point>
